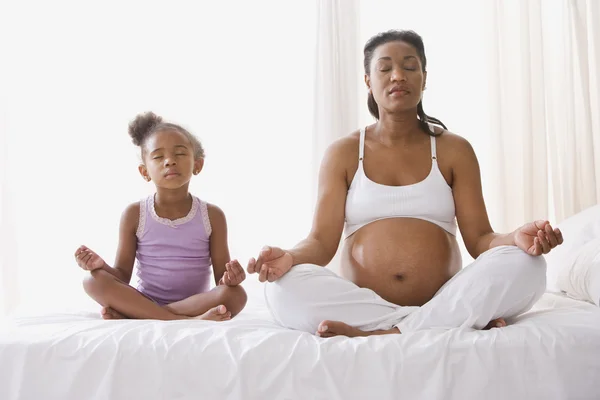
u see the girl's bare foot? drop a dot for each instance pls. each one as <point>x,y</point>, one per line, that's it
<point>218,313</point>
<point>109,313</point>
<point>497,323</point>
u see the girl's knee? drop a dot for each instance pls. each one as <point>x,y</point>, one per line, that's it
<point>233,298</point>
<point>97,282</point>
<point>98,285</point>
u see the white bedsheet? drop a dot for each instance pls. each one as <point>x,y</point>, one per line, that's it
<point>552,352</point>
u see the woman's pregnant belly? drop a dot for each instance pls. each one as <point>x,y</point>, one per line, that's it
<point>404,260</point>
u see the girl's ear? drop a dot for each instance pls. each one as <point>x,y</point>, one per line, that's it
<point>144,172</point>
<point>198,165</point>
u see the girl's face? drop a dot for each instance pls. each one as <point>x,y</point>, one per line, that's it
<point>169,159</point>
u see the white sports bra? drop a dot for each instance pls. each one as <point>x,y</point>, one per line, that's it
<point>430,199</point>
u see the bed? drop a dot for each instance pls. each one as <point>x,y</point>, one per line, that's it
<point>552,352</point>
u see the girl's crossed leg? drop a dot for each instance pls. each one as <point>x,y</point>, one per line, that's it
<point>120,300</point>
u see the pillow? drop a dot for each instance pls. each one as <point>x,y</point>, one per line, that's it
<point>577,230</point>
<point>581,278</point>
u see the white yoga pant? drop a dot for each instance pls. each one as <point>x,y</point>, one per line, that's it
<point>503,282</point>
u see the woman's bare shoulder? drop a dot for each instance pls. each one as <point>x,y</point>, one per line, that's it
<point>451,143</point>
<point>345,148</point>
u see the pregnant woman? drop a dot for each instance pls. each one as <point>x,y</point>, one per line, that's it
<point>396,190</point>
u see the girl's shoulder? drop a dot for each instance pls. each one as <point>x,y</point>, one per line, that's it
<point>215,217</point>
<point>130,217</point>
<point>210,214</point>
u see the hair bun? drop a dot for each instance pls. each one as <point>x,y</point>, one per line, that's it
<point>142,125</point>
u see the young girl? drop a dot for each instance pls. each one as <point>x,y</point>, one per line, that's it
<point>174,236</point>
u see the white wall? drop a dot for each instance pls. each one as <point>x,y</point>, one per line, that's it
<point>79,72</point>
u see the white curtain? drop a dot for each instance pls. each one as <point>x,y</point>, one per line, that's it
<point>575,127</point>
<point>544,102</point>
<point>336,105</point>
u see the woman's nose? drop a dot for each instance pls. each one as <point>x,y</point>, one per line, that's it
<point>398,75</point>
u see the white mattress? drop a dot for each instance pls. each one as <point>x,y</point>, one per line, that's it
<point>550,353</point>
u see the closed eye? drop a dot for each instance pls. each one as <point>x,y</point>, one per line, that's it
<point>157,157</point>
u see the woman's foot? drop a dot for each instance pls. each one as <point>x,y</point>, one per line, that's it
<point>328,329</point>
<point>218,313</point>
<point>497,323</point>
<point>109,313</point>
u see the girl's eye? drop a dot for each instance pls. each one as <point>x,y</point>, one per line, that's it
<point>157,157</point>
<point>180,154</point>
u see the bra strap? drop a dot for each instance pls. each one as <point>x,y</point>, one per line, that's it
<point>361,145</point>
<point>433,148</point>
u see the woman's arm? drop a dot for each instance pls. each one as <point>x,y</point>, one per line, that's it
<point>471,213</point>
<point>328,221</point>
<point>536,237</point>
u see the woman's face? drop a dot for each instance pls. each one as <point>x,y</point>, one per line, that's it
<point>397,79</point>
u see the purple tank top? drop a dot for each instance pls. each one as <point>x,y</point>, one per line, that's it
<point>173,256</point>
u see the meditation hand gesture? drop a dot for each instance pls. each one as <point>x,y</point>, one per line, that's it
<point>537,237</point>
<point>234,274</point>
<point>271,265</point>
<point>88,260</point>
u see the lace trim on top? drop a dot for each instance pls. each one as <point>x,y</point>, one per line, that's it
<point>205,219</point>
<point>173,223</point>
<point>142,219</point>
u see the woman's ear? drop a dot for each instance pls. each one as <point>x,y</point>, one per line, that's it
<point>198,165</point>
<point>368,82</point>
<point>144,172</point>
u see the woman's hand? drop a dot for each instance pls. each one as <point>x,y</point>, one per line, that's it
<point>537,238</point>
<point>234,274</point>
<point>88,260</point>
<point>271,265</point>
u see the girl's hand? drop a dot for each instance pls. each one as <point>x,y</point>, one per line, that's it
<point>88,260</point>
<point>537,238</point>
<point>234,274</point>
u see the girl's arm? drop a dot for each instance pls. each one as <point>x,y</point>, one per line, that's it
<point>225,271</point>
<point>125,258</point>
